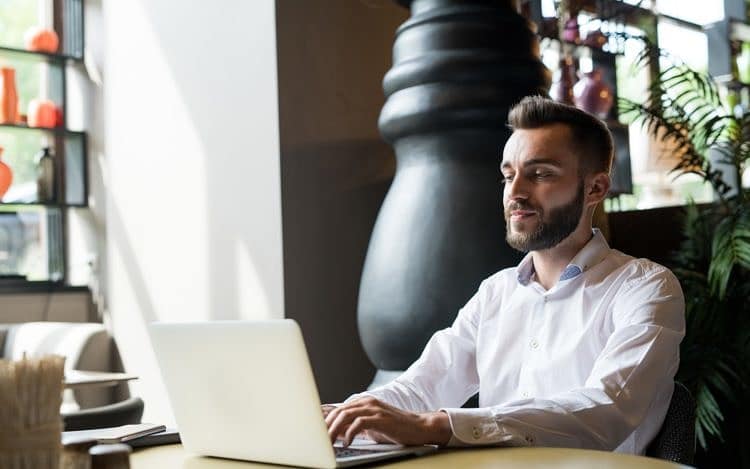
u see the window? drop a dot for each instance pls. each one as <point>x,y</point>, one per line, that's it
<point>32,224</point>
<point>677,25</point>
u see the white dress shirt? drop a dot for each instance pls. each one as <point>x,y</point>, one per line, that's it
<point>588,363</point>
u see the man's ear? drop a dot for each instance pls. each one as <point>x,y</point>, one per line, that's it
<point>597,187</point>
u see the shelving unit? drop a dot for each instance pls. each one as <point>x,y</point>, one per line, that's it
<point>606,62</point>
<point>724,39</point>
<point>69,148</point>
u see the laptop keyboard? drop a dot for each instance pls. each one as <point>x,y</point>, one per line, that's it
<point>349,452</point>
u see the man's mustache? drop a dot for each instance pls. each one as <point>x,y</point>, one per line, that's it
<point>519,206</point>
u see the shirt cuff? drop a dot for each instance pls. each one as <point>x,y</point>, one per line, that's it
<point>472,427</point>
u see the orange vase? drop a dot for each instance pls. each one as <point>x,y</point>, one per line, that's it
<point>6,176</point>
<point>8,96</point>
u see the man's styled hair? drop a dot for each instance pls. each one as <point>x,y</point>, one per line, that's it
<point>592,139</point>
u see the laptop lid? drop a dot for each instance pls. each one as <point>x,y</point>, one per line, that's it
<point>243,390</point>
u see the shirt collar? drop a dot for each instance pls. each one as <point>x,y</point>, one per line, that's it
<point>591,254</point>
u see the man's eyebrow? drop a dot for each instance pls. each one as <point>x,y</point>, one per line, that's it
<point>533,162</point>
<point>547,161</point>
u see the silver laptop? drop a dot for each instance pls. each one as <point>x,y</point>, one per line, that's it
<point>245,390</point>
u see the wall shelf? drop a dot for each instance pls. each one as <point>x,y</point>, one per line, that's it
<point>52,57</point>
<point>9,204</point>
<point>53,130</point>
<point>21,285</point>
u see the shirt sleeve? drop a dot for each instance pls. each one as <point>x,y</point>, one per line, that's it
<point>631,378</point>
<point>445,375</point>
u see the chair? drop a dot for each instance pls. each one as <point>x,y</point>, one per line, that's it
<point>676,439</point>
<point>124,412</point>
<point>85,346</point>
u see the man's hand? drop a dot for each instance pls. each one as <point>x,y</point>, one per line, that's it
<point>383,423</point>
<point>326,409</point>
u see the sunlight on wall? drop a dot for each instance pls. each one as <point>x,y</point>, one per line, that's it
<point>181,181</point>
<point>252,299</point>
<point>148,266</point>
<point>156,167</point>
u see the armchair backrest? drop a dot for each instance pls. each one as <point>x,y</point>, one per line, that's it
<point>85,346</point>
<point>676,439</point>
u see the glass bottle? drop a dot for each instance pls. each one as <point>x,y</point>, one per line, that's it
<point>45,176</point>
<point>564,79</point>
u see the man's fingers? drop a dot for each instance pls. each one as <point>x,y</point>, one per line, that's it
<point>344,419</point>
<point>331,415</point>
<point>340,418</point>
<point>356,404</point>
<point>340,421</point>
<point>359,424</point>
<point>326,409</point>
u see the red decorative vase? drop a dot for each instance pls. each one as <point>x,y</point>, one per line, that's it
<point>8,96</point>
<point>593,95</point>
<point>42,113</point>
<point>40,39</point>
<point>565,77</point>
<point>6,176</point>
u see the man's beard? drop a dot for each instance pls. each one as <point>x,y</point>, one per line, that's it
<point>552,229</point>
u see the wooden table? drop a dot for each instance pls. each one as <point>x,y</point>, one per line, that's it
<point>174,456</point>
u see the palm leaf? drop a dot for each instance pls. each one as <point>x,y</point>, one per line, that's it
<point>708,416</point>
<point>731,247</point>
<point>693,159</point>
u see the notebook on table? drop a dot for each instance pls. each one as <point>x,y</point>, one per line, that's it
<point>121,434</point>
<point>245,390</point>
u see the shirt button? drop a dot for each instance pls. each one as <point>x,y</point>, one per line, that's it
<point>525,394</point>
<point>529,439</point>
<point>476,433</point>
<point>545,299</point>
<point>534,344</point>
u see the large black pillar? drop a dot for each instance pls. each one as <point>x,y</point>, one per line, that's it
<point>458,66</point>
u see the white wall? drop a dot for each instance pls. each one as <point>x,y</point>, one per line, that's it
<point>193,212</point>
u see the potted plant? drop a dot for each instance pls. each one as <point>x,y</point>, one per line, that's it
<point>710,137</point>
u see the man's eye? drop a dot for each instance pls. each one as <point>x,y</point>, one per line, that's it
<point>508,178</point>
<point>542,174</point>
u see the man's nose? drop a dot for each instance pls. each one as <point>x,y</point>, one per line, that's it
<point>516,188</point>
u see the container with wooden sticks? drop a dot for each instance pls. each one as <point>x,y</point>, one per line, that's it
<point>30,423</point>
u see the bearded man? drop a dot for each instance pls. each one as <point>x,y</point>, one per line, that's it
<point>577,346</point>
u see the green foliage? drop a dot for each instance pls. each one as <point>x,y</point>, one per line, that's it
<point>730,249</point>
<point>683,108</point>
<point>712,363</point>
